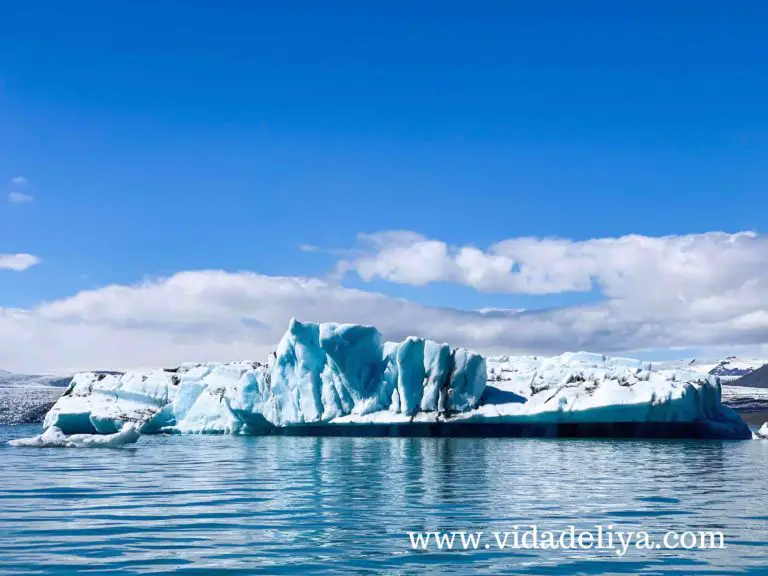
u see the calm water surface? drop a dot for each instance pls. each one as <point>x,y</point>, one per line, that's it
<point>282,505</point>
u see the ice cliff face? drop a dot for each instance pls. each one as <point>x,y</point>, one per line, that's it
<point>319,373</point>
<point>329,377</point>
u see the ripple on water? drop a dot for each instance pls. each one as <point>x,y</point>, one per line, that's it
<point>291,505</point>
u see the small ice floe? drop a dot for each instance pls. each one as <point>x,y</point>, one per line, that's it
<point>761,434</point>
<point>53,437</point>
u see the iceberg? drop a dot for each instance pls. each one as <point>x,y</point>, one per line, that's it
<point>762,434</point>
<point>53,437</point>
<point>318,374</point>
<point>343,379</point>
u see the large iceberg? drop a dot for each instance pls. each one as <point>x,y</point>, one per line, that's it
<point>344,379</point>
<point>319,374</point>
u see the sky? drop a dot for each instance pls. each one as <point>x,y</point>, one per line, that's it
<point>182,178</point>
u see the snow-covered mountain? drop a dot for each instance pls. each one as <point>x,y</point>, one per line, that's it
<point>13,379</point>
<point>733,368</point>
<point>728,369</point>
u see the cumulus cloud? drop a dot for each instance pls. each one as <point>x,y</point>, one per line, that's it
<point>687,276</point>
<point>17,262</point>
<point>20,180</point>
<point>620,267</point>
<point>695,289</point>
<point>19,198</point>
<point>215,315</point>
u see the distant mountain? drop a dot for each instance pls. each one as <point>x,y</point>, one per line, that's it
<point>14,379</point>
<point>753,379</point>
<point>733,368</point>
<point>728,370</point>
<point>25,398</point>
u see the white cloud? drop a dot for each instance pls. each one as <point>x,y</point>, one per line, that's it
<point>224,316</point>
<point>690,276</point>
<point>20,198</point>
<point>20,180</point>
<point>696,289</point>
<point>17,262</point>
<point>621,267</point>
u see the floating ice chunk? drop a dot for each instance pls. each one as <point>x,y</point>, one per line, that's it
<point>762,434</point>
<point>53,437</point>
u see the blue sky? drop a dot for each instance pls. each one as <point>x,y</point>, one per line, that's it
<point>158,138</point>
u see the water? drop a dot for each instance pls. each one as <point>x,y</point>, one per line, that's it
<point>287,505</point>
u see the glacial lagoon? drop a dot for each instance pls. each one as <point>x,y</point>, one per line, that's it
<point>210,504</point>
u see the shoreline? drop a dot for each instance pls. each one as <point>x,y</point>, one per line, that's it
<point>754,417</point>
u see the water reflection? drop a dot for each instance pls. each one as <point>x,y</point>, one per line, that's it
<point>183,505</point>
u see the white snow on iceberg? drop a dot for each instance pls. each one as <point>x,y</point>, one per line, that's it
<point>584,387</point>
<point>329,377</point>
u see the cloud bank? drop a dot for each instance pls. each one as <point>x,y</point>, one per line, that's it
<point>697,280</point>
<point>691,291</point>
<point>696,291</point>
